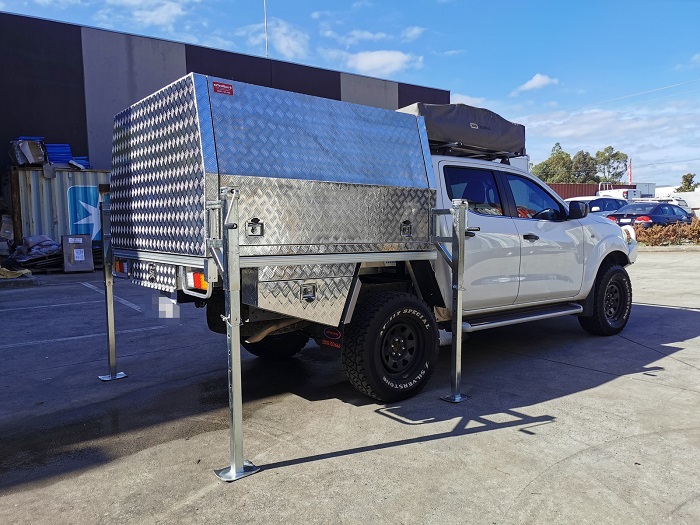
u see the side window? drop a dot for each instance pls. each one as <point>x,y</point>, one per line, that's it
<point>680,212</point>
<point>611,205</point>
<point>532,201</point>
<point>666,209</point>
<point>478,187</point>
<point>596,203</point>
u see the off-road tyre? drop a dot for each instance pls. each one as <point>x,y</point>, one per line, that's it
<point>612,302</point>
<point>278,347</point>
<point>391,346</point>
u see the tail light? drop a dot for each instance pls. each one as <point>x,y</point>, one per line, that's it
<point>196,280</point>
<point>643,218</point>
<point>611,218</point>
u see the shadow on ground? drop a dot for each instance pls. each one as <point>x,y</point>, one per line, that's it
<point>503,370</point>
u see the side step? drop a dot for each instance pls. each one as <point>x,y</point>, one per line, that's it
<point>505,319</point>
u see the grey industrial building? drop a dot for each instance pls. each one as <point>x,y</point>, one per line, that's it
<point>66,82</point>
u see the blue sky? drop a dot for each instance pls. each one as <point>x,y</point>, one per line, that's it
<point>587,74</point>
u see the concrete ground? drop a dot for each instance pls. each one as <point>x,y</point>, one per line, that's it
<point>561,427</point>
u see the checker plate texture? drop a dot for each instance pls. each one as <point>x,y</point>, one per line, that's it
<point>307,217</point>
<point>323,176</point>
<point>153,275</point>
<point>278,289</point>
<point>157,182</point>
<point>272,133</point>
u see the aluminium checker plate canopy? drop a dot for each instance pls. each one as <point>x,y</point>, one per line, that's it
<point>320,176</point>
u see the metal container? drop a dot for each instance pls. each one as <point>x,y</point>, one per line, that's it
<point>67,204</point>
<point>316,175</point>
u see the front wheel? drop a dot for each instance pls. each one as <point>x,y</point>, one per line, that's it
<point>612,302</point>
<point>391,347</point>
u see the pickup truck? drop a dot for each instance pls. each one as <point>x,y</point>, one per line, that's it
<point>340,225</point>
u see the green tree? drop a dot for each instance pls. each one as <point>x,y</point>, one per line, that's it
<point>584,167</point>
<point>687,183</point>
<point>611,164</point>
<point>557,168</point>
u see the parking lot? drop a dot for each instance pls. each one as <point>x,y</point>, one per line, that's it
<point>561,426</point>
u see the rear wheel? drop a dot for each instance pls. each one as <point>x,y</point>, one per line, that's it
<point>612,302</point>
<point>391,346</point>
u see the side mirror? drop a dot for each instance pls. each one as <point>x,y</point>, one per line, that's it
<point>578,210</point>
<point>595,208</point>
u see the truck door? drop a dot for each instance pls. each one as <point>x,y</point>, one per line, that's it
<point>492,252</point>
<point>551,262</point>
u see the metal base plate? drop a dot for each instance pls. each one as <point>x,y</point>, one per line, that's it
<point>455,398</point>
<point>120,375</point>
<point>228,474</point>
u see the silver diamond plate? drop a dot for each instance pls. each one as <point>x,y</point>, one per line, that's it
<point>278,289</point>
<point>284,297</point>
<point>154,275</point>
<point>157,181</point>
<point>307,271</point>
<point>272,133</point>
<point>304,217</point>
<point>324,176</point>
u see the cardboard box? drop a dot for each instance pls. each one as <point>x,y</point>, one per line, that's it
<point>77,253</point>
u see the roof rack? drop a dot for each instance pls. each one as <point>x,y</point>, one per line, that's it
<point>457,149</point>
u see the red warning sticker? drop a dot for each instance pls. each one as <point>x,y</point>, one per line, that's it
<point>224,89</point>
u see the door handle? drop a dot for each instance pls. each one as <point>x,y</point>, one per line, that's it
<point>470,231</point>
<point>530,237</point>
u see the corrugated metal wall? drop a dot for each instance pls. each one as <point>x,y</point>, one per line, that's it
<point>67,204</point>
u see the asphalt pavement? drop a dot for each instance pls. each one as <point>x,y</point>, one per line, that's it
<point>561,427</point>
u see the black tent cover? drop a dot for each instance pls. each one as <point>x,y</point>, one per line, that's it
<point>470,127</point>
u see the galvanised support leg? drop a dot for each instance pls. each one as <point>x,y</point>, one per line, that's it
<point>459,230</point>
<point>239,468</point>
<point>109,294</point>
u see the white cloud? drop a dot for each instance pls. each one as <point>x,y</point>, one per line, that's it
<point>456,98</point>
<point>144,13</point>
<point>320,14</point>
<point>411,33</point>
<point>375,63</point>
<point>648,134</point>
<point>536,82</point>
<point>693,63</point>
<point>453,52</point>
<point>60,4</point>
<point>286,40</point>
<point>354,37</point>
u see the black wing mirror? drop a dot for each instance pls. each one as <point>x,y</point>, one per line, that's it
<point>578,210</point>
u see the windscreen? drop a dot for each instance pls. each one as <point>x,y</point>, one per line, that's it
<point>638,207</point>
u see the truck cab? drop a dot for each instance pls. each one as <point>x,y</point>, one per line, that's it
<point>522,248</point>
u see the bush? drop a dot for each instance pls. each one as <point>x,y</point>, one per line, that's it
<point>672,235</point>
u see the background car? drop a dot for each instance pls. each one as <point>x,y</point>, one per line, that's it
<point>600,205</point>
<point>670,200</point>
<point>648,214</point>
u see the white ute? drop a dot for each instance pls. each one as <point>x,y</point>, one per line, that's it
<point>339,235</point>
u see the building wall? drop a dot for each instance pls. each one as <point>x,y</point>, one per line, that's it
<point>151,64</point>
<point>66,82</point>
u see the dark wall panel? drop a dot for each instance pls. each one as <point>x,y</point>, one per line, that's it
<point>305,79</point>
<point>244,68</point>
<point>409,94</point>
<point>42,83</point>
